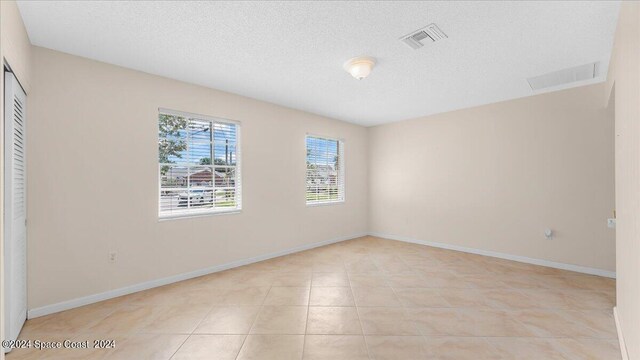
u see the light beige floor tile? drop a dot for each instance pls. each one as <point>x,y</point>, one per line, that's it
<point>242,296</point>
<point>465,268</point>
<point>393,267</point>
<point>148,346</point>
<point>328,267</point>
<point>399,281</point>
<point>459,348</point>
<point>292,279</point>
<point>590,282</point>
<point>330,279</point>
<point>426,264</point>
<point>422,297</point>
<point>194,296</point>
<point>272,347</point>
<point>375,296</point>
<point>333,320</point>
<point>396,347</point>
<point>228,320</point>
<point>489,322</point>
<point>361,266</point>
<point>364,280</point>
<point>526,348</point>
<point>331,296</point>
<point>510,299</point>
<point>460,282</point>
<point>205,347</point>
<point>74,354</point>
<point>589,300</point>
<point>440,278</point>
<point>466,322</point>
<point>177,320</point>
<point>551,323</point>
<point>287,320</point>
<point>522,281</point>
<point>67,323</point>
<point>127,320</point>
<point>335,347</point>
<point>484,281</point>
<point>386,321</point>
<point>548,282</point>
<point>580,349</point>
<point>543,299</point>
<point>467,298</point>
<point>600,322</point>
<point>287,296</point>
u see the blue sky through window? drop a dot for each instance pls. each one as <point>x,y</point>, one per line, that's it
<point>321,151</point>
<point>200,146</point>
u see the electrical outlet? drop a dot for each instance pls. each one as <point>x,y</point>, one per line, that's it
<point>113,256</point>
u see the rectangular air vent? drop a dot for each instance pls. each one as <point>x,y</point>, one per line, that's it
<point>428,34</point>
<point>564,76</point>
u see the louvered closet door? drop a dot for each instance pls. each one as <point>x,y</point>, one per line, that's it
<point>15,207</point>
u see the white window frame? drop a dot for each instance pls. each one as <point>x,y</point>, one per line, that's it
<point>341,171</point>
<point>188,213</point>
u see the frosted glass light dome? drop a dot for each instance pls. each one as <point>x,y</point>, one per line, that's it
<point>360,67</point>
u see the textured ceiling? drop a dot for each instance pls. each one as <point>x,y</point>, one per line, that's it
<point>291,53</point>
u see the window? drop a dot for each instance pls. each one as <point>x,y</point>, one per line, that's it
<point>325,170</point>
<point>199,164</point>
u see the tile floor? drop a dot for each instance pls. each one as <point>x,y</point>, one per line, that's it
<point>366,298</point>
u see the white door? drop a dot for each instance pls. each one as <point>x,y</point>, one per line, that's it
<point>15,208</point>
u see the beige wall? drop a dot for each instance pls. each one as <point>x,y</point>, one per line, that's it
<point>16,47</point>
<point>15,50</point>
<point>624,77</point>
<point>494,177</point>
<point>93,180</point>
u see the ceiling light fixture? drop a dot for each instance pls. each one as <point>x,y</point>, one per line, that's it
<point>360,67</point>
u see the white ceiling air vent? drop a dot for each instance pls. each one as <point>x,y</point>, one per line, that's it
<point>564,76</point>
<point>428,34</point>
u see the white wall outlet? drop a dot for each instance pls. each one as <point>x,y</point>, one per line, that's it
<point>548,233</point>
<point>611,223</point>
<point>113,257</point>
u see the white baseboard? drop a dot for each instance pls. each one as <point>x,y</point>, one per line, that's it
<point>523,259</point>
<point>90,299</point>
<point>623,346</point>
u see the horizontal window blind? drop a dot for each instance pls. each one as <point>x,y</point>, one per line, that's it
<point>199,165</point>
<point>325,170</point>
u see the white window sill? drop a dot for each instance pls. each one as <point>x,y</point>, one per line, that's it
<point>197,214</point>
<point>325,203</point>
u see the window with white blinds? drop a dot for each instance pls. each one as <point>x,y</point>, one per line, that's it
<point>199,164</point>
<point>325,170</point>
